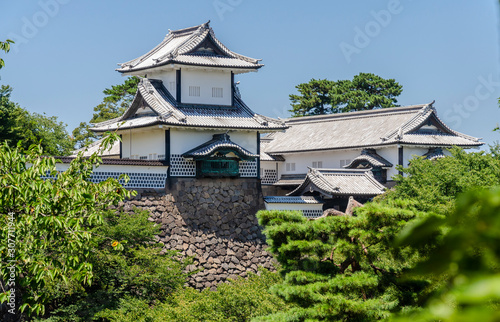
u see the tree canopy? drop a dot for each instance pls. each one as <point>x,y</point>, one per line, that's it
<point>116,100</point>
<point>18,124</point>
<point>47,219</point>
<point>364,92</point>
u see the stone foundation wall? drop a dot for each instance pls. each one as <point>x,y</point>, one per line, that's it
<point>213,220</point>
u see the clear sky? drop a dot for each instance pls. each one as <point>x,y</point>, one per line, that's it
<point>448,50</point>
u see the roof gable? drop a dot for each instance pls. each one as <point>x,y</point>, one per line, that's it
<point>339,182</point>
<point>374,128</point>
<point>220,143</point>
<point>371,157</point>
<point>179,47</point>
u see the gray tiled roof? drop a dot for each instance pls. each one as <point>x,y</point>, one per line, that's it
<point>152,93</point>
<point>290,180</point>
<point>434,153</point>
<point>94,147</point>
<point>370,156</point>
<point>374,128</point>
<point>339,182</point>
<point>293,199</point>
<point>266,157</point>
<point>180,46</point>
<point>219,142</point>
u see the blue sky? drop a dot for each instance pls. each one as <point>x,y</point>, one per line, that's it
<point>446,50</point>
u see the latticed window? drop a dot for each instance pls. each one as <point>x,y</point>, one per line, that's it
<point>218,168</point>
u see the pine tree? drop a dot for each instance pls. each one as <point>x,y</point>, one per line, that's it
<point>343,268</point>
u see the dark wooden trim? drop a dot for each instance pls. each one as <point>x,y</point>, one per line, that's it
<point>209,43</point>
<point>178,85</point>
<point>232,89</point>
<point>121,138</point>
<point>400,158</point>
<point>258,152</point>
<point>167,151</point>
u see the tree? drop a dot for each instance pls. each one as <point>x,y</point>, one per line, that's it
<point>314,98</point>
<point>116,100</point>
<point>433,185</point>
<point>18,124</point>
<point>237,300</point>
<point>5,46</point>
<point>364,92</point>
<point>467,257</point>
<point>46,224</point>
<point>10,114</point>
<point>349,268</point>
<point>342,268</point>
<point>128,266</point>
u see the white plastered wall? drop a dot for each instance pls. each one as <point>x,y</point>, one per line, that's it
<point>206,79</point>
<point>329,159</point>
<point>391,155</point>
<point>184,140</point>
<point>410,152</point>
<point>143,142</point>
<point>169,79</point>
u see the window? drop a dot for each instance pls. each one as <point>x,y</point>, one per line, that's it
<point>317,164</point>
<point>290,167</point>
<point>344,162</point>
<point>143,157</point>
<point>216,91</point>
<point>194,90</point>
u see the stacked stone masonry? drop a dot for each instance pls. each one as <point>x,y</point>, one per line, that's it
<point>214,221</point>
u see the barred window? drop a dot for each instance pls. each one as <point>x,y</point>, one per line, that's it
<point>216,91</point>
<point>194,90</point>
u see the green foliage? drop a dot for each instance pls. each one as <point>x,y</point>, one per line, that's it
<point>18,124</point>
<point>342,267</point>
<point>434,185</point>
<point>140,269</point>
<point>49,222</point>
<point>468,256</point>
<point>116,100</point>
<point>5,46</point>
<point>364,92</point>
<point>127,266</point>
<point>238,300</point>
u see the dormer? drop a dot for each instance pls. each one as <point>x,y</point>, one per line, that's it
<point>195,67</point>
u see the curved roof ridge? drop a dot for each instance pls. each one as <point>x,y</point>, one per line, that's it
<point>168,37</point>
<point>219,141</point>
<point>465,136</point>
<point>189,29</point>
<point>356,114</point>
<point>150,53</point>
<point>198,33</point>
<point>371,156</point>
<point>153,94</point>
<point>187,39</point>
<point>411,124</point>
<point>230,52</point>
